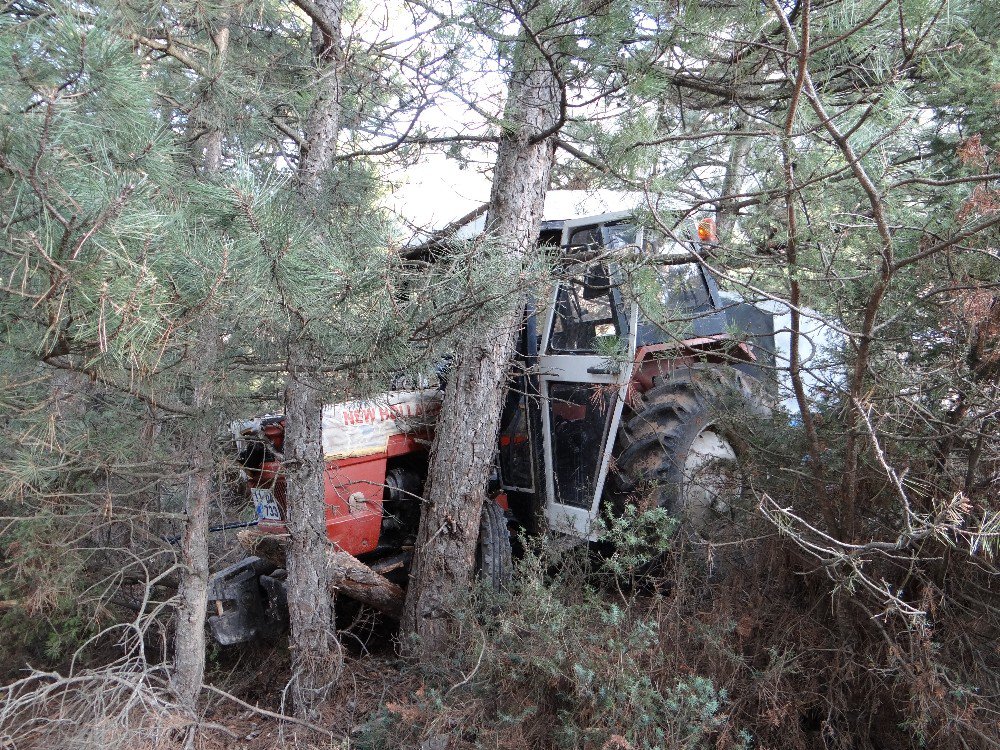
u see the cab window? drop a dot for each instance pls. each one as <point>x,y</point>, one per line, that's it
<point>584,313</point>
<point>683,288</point>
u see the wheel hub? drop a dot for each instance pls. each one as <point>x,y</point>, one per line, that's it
<point>712,481</point>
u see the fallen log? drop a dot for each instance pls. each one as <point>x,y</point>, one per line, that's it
<point>270,547</point>
<point>350,576</point>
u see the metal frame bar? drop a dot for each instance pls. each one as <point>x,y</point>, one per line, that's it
<point>573,368</point>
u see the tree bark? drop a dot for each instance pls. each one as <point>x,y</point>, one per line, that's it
<point>316,655</point>
<point>207,147</point>
<point>189,636</point>
<point>732,182</point>
<point>212,161</point>
<point>323,124</point>
<point>466,433</point>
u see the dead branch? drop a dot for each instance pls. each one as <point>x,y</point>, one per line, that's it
<point>272,714</point>
<point>350,576</point>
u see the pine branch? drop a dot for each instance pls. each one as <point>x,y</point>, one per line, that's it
<point>389,147</point>
<point>586,158</point>
<point>703,134</point>
<point>131,389</point>
<point>946,183</point>
<point>975,229</point>
<point>319,18</point>
<point>293,134</point>
<point>419,141</point>
<point>169,48</point>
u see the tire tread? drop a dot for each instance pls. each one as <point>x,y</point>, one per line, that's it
<point>494,557</point>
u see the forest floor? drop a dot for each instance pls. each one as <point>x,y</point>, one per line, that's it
<point>373,679</point>
<point>367,684</point>
<point>241,706</point>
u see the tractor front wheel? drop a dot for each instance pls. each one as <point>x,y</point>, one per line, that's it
<point>676,452</point>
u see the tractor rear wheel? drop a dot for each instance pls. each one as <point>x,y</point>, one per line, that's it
<point>676,452</point>
<point>493,551</point>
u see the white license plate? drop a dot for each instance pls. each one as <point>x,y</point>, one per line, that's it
<point>265,505</point>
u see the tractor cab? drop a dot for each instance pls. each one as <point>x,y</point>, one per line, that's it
<point>629,311</point>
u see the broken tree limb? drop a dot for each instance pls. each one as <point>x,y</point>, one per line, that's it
<point>352,577</point>
<point>349,576</point>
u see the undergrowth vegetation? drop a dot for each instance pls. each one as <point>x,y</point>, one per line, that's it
<point>790,649</point>
<point>778,653</point>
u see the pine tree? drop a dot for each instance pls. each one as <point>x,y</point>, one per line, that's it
<point>189,637</point>
<point>470,412</point>
<point>316,659</point>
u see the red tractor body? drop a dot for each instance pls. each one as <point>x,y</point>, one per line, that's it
<point>360,438</point>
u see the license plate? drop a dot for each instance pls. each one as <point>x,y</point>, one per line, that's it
<point>265,505</point>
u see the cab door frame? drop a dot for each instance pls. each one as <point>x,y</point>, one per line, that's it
<point>582,368</point>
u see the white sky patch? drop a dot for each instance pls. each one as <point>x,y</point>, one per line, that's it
<point>437,191</point>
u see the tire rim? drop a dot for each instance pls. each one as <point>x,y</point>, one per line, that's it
<point>712,483</point>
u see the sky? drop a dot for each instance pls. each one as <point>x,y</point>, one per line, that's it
<point>438,190</point>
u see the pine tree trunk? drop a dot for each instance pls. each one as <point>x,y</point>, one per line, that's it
<point>189,635</point>
<point>466,433</point>
<point>316,656</point>
<point>732,181</point>
<point>323,123</point>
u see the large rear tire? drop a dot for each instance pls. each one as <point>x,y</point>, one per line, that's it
<point>678,452</point>
<point>494,559</point>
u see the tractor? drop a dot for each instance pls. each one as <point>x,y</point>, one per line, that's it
<point>616,396</point>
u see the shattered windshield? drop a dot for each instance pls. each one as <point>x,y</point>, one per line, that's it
<point>619,236</point>
<point>683,288</point>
